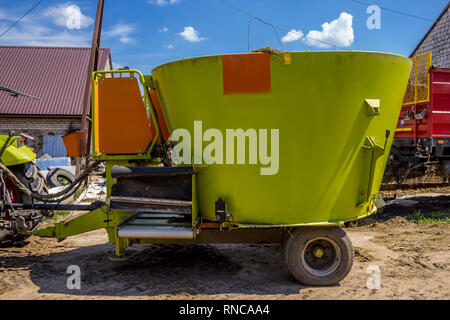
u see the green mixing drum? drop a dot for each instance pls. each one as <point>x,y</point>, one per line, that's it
<point>298,138</point>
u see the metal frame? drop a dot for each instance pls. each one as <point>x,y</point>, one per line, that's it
<point>415,60</point>
<point>148,104</point>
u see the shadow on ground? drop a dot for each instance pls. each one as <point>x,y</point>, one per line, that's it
<point>155,270</point>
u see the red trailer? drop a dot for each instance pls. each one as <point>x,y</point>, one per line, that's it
<point>422,138</point>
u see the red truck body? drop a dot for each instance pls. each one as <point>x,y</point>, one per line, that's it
<point>422,137</point>
<point>436,113</point>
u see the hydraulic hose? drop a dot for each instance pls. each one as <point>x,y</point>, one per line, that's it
<point>65,194</point>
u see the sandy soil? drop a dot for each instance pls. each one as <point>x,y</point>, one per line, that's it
<point>414,261</point>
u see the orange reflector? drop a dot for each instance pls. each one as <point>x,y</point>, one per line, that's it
<point>440,142</point>
<point>246,73</point>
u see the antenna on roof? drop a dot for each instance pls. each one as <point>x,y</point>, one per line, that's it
<point>15,93</point>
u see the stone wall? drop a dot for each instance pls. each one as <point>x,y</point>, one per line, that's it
<point>438,41</point>
<point>38,128</point>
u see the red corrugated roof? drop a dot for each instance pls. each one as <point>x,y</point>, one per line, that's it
<point>54,74</point>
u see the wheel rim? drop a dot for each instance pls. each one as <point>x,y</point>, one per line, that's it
<point>63,181</point>
<point>321,256</point>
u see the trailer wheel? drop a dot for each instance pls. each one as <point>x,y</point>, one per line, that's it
<point>17,197</point>
<point>319,256</point>
<point>19,172</point>
<point>58,177</point>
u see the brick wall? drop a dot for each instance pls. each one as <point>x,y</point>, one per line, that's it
<point>438,41</point>
<point>38,127</point>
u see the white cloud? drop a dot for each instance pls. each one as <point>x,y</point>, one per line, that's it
<point>63,15</point>
<point>38,35</point>
<point>190,34</point>
<point>14,15</point>
<point>292,35</point>
<point>4,15</point>
<point>118,65</point>
<point>163,2</point>
<point>165,29</point>
<point>121,31</point>
<point>127,40</point>
<point>338,32</point>
<point>170,46</point>
<point>33,30</point>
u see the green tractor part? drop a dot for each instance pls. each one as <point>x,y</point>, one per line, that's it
<point>319,123</point>
<point>13,151</point>
<point>16,159</point>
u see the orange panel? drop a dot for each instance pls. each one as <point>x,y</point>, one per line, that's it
<point>160,114</point>
<point>72,142</point>
<point>249,73</point>
<point>121,117</point>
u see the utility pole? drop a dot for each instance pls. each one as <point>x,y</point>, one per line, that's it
<point>93,65</point>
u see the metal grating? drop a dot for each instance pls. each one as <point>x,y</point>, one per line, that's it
<point>418,89</point>
<point>410,89</point>
<point>423,63</point>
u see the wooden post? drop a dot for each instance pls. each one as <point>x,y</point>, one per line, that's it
<point>93,65</point>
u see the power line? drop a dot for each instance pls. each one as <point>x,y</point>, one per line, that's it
<point>274,30</point>
<point>274,26</point>
<point>392,10</point>
<point>32,8</point>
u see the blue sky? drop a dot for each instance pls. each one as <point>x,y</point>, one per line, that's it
<point>145,33</point>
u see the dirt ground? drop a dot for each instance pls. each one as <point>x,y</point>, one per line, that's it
<point>414,261</point>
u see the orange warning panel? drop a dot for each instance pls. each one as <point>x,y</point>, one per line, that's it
<point>121,121</point>
<point>73,142</point>
<point>249,73</point>
<point>161,119</point>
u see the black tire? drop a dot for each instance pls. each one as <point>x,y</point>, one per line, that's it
<point>6,235</point>
<point>37,184</point>
<point>57,173</point>
<point>30,170</point>
<point>319,256</point>
<point>19,172</point>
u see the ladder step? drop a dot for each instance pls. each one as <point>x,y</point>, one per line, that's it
<point>119,171</point>
<point>146,215</point>
<point>153,201</point>
<point>146,232</point>
<point>156,210</point>
<point>160,222</point>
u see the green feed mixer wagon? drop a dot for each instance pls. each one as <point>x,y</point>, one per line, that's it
<point>263,147</point>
